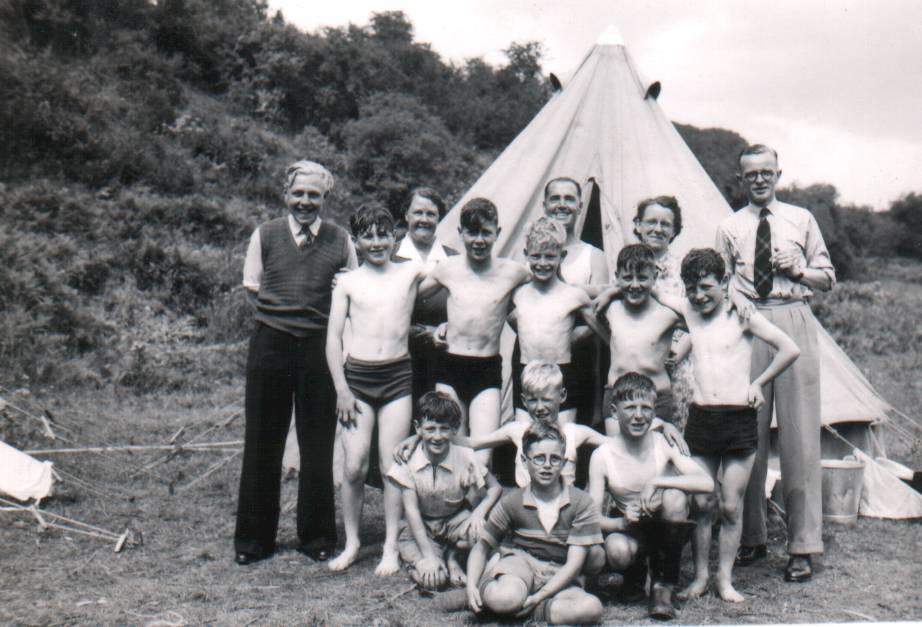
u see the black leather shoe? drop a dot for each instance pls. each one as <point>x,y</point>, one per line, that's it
<point>243,559</point>
<point>319,553</point>
<point>747,555</point>
<point>800,569</point>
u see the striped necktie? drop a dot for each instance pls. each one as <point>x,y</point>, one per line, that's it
<point>308,236</point>
<point>762,268</point>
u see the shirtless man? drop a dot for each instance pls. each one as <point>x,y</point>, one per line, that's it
<point>641,328</point>
<point>375,382</point>
<point>722,425</point>
<point>545,314</point>
<point>479,293</point>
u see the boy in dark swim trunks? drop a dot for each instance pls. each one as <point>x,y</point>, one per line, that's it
<point>545,315</point>
<point>447,494</point>
<point>479,290</point>
<point>722,428</point>
<point>375,382</point>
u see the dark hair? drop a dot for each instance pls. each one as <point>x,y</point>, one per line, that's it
<point>632,385</point>
<point>635,257</point>
<point>757,149</point>
<point>438,407</point>
<point>669,202</point>
<point>429,194</point>
<point>477,212</point>
<point>371,215</point>
<point>564,179</point>
<point>539,431</point>
<point>701,262</point>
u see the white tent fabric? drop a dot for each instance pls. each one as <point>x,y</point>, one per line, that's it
<point>883,495</point>
<point>23,477</point>
<point>603,125</point>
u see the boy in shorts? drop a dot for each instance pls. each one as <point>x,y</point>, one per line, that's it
<point>540,537</point>
<point>545,314</point>
<point>479,291</point>
<point>722,427</point>
<point>647,481</point>
<point>375,382</point>
<point>442,486</point>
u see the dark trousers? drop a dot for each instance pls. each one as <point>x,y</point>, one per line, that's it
<point>282,369</point>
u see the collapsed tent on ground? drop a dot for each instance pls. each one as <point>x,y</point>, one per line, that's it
<point>22,476</point>
<point>605,129</point>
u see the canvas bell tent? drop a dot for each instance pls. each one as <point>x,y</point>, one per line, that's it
<point>605,129</point>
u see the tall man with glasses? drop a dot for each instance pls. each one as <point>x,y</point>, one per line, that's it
<point>776,257</point>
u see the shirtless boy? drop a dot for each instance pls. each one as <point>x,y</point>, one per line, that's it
<point>479,292</point>
<point>647,481</point>
<point>545,314</point>
<point>375,382</point>
<point>447,495</point>
<point>722,428</point>
<point>641,328</point>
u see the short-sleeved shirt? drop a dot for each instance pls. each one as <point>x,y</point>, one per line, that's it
<point>514,523</point>
<point>791,227</point>
<point>446,488</point>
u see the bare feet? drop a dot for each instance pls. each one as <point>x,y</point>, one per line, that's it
<point>345,559</point>
<point>455,573</point>
<point>695,589</point>
<point>389,564</point>
<point>727,592</point>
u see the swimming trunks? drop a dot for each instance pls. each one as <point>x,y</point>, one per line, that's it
<point>469,376</point>
<point>663,408</point>
<point>571,384</point>
<point>716,430</point>
<point>379,382</point>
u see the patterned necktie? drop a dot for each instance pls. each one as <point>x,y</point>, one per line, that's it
<point>762,268</point>
<point>308,237</point>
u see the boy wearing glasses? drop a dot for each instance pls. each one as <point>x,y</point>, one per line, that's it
<point>540,537</point>
<point>647,481</point>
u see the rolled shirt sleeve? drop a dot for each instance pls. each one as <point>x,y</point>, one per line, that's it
<point>586,529</point>
<point>253,264</point>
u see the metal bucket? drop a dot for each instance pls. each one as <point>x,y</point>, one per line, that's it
<point>842,480</point>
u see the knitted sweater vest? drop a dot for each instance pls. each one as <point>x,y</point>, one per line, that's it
<point>294,293</point>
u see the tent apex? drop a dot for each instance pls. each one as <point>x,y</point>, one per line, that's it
<point>611,36</point>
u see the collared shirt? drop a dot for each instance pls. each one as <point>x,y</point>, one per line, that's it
<point>253,264</point>
<point>515,523</point>
<point>791,227</point>
<point>408,250</point>
<point>443,489</point>
<point>669,275</point>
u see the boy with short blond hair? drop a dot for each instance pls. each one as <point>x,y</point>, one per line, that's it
<point>540,537</point>
<point>447,494</point>
<point>545,314</point>
<point>479,291</point>
<point>722,428</point>
<point>641,328</point>
<point>375,382</point>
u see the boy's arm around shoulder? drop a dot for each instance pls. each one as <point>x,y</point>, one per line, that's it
<point>587,313</point>
<point>431,279</point>
<point>673,303</point>
<point>786,352</point>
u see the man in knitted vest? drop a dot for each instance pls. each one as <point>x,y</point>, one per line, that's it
<point>288,274</point>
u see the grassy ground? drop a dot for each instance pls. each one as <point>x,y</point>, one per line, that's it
<point>184,573</point>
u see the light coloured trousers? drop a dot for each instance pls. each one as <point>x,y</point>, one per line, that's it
<point>795,394</point>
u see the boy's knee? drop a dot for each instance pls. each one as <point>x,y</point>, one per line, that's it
<point>505,595</point>
<point>620,551</point>
<point>730,509</point>
<point>355,470</point>
<point>584,609</point>
<point>704,503</point>
<point>675,505</point>
<point>595,560</point>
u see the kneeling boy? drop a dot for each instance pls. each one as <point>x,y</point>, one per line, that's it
<point>438,485</point>
<point>542,535</point>
<point>647,480</point>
